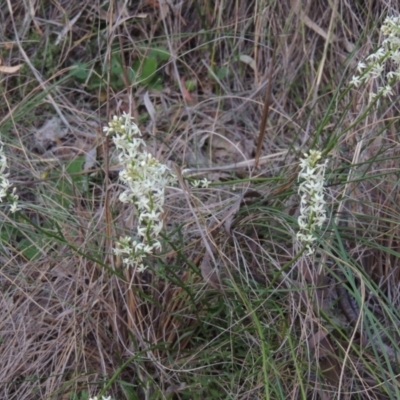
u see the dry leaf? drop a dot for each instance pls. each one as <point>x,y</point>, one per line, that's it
<point>186,94</point>
<point>51,130</point>
<point>231,213</point>
<point>50,133</point>
<point>249,61</point>
<point>149,107</point>
<point>317,340</point>
<point>209,272</point>
<point>10,70</point>
<point>90,158</point>
<point>164,9</point>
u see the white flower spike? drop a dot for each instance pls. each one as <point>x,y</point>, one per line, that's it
<point>385,58</point>
<point>312,198</point>
<point>5,184</point>
<point>145,179</point>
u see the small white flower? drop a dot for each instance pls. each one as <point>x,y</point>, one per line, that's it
<point>355,81</point>
<point>395,56</point>
<point>372,96</point>
<point>386,91</point>
<point>157,227</point>
<point>124,197</point>
<point>153,215</point>
<point>377,55</point>
<point>361,66</point>
<point>141,268</point>
<point>147,248</point>
<point>377,70</point>
<point>196,183</point>
<point>138,247</point>
<point>156,245</point>
<point>201,183</point>
<point>393,75</point>
<point>143,203</point>
<point>142,231</point>
<point>14,207</point>
<point>205,182</point>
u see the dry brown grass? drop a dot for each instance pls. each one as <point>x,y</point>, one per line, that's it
<point>71,319</point>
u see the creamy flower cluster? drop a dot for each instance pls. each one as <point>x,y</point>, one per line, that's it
<point>200,183</point>
<point>5,184</point>
<point>312,198</point>
<point>388,55</point>
<point>102,398</point>
<point>145,179</point>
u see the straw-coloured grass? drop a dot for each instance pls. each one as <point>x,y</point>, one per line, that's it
<point>231,307</point>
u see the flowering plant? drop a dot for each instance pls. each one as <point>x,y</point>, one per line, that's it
<point>374,67</point>
<point>5,184</point>
<point>312,200</point>
<point>145,179</point>
<point>102,398</point>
